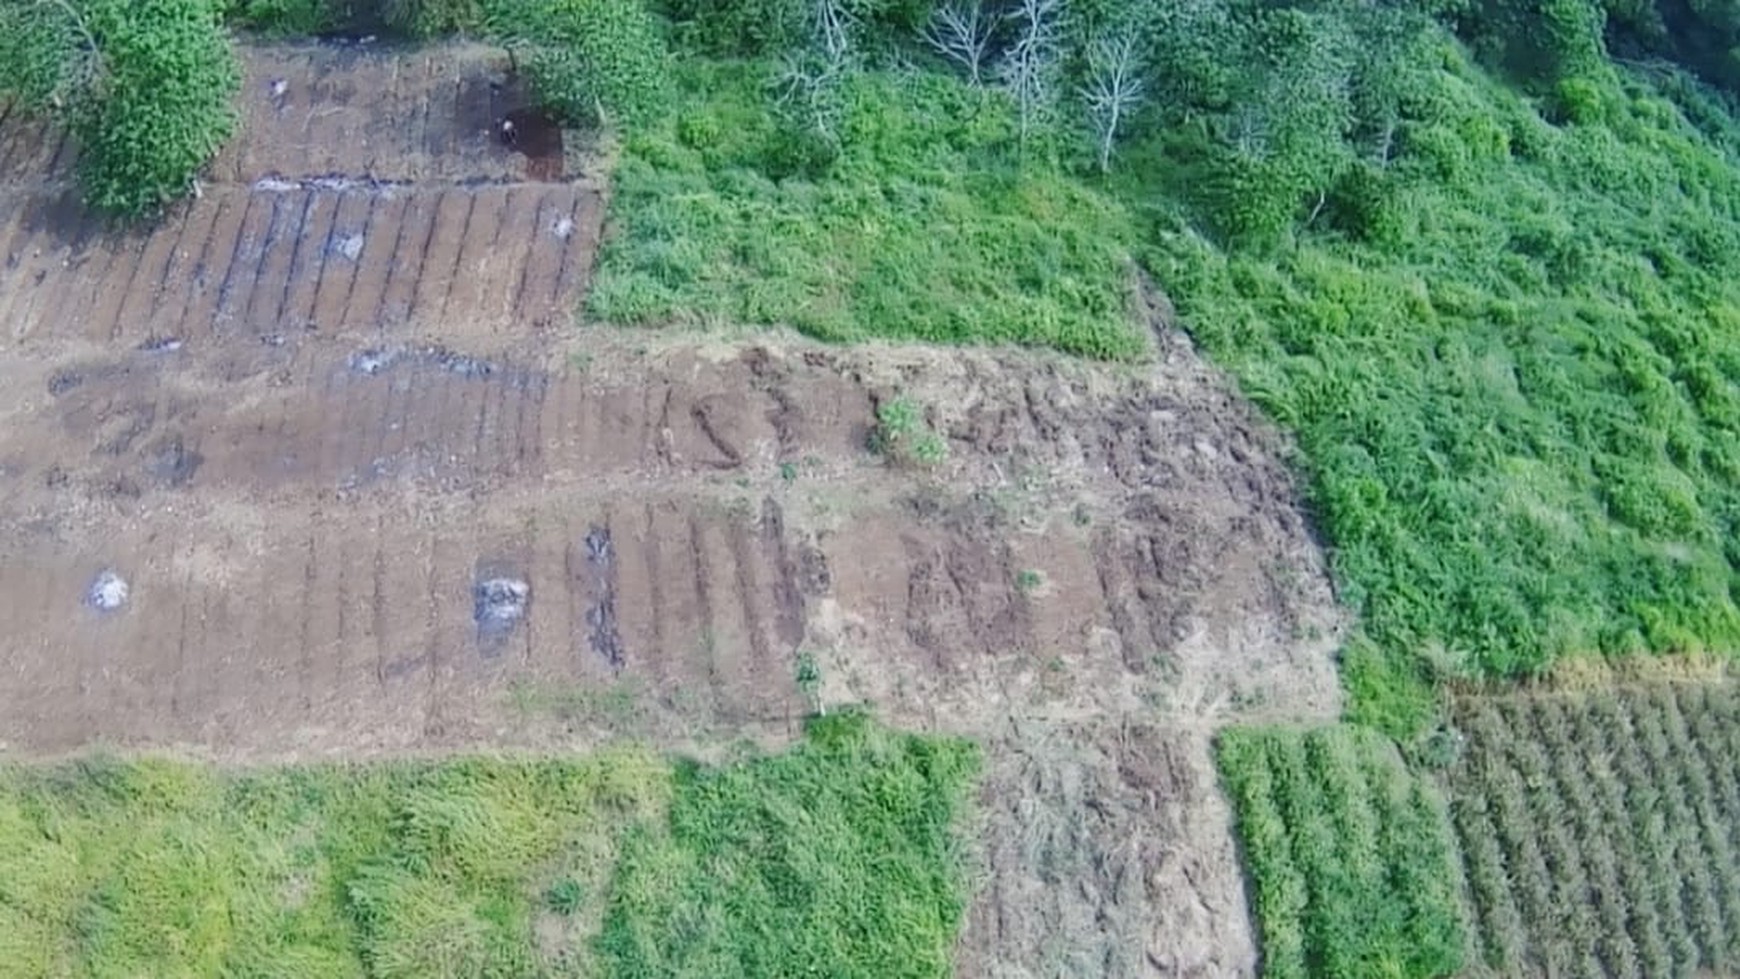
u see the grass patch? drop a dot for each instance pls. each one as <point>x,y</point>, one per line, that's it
<point>1350,856</point>
<point>925,228</point>
<point>489,867</point>
<point>777,868</point>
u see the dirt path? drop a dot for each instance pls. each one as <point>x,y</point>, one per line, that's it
<point>368,492</point>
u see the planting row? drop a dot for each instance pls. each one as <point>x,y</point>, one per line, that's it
<point>1349,855</point>
<point>1598,832</point>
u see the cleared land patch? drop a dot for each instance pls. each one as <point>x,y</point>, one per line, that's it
<point>364,195</point>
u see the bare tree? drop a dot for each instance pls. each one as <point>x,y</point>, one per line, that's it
<point>810,80</point>
<point>961,31</point>
<point>1029,69</point>
<point>1114,87</point>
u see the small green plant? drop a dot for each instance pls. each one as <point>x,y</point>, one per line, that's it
<point>809,681</point>
<point>1029,580</point>
<point>565,897</point>
<point>902,435</point>
<point>788,471</point>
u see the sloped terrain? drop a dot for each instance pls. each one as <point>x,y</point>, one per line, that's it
<point>368,494</point>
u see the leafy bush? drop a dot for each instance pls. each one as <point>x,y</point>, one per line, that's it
<point>158,106</point>
<point>588,59</point>
<point>145,86</point>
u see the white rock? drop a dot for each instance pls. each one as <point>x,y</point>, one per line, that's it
<point>108,592</point>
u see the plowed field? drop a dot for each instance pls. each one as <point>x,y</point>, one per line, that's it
<point>369,492</point>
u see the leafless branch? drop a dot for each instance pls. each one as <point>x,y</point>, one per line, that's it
<point>1029,68</point>
<point>810,80</point>
<point>1114,88</point>
<point>961,31</point>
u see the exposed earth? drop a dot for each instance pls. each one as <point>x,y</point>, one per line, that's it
<point>321,466</point>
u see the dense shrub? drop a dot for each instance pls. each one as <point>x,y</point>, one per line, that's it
<point>758,27</point>
<point>160,108</point>
<point>144,84</point>
<point>587,59</point>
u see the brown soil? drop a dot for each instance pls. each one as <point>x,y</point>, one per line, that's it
<point>374,502</point>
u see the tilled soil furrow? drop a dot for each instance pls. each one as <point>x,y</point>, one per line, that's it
<point>284,266</point>
<point>315,249</point>
<point>642,584</point>
<point>476,263</point>
<point>21,143</point>
<point>223,259</point>
<point>399,300</point>
<point>376,264</point>
<point>260,231</point>
<point>126,276</point>
<point>769,670</point>
<point>41,668</point>
<point>24,266</point>
<point>66,310</point>
<point>145,288</point>
<point>60,164</point>
<point>167,314</point>
<point>580,250</point>
<point>254,311</point>
<point>531,246</point>
<point>519,216</point>
<point>322,635</point>
<point>1123,605</point>
<point>448,231</point>
<point>351,229</point>
<point>730,644</point>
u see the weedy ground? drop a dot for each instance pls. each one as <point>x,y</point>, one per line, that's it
<point>844,850</point>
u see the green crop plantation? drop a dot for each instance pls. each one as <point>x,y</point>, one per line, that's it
<point>1350,855</point>
<point>843,850</point>
<point>1597,830</point>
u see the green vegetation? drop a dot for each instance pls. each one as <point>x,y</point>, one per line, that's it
<point>838,856</point>
<point>1519,412</point>
<point>903,436</point>
<point>145,86</point>
<point>923,227</point>
<point>1493,288</point>
<point>1597,833</point>
<point>1350,856</point>
<point>793,868</point>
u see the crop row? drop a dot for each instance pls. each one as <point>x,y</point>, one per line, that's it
<point>1349,855</point>
<point>1598,832</point>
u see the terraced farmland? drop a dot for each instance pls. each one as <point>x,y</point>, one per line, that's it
<point>318,468</point>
